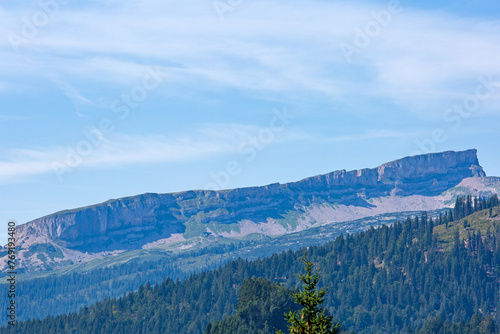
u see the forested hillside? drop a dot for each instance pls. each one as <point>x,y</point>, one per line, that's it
<point>261,306</point>
<point>382,280</point>
<point>58,294</point>
<point>476,325</point>
<point>258,308</point>
<point>52,293</point>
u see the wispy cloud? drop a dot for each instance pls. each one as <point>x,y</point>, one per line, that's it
<point>120,149</point>
<point>269,46</point>
<point>80,103</point>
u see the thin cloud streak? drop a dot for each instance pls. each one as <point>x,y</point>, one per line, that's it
<point>121,149</point>
<point>284,48</point>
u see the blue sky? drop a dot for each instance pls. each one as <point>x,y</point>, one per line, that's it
<point>106,99</point>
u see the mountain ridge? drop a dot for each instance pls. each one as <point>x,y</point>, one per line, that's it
<point>471,154</point>
<point>407,184</point>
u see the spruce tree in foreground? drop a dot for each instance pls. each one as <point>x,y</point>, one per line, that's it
<point>312,318</point>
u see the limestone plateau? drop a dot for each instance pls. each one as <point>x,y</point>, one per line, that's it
<point>424,182</point>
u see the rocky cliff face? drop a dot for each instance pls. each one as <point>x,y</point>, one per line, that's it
<point>132,222</point>
<point>429,174</point>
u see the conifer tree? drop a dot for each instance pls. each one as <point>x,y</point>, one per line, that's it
<point>312,318</point>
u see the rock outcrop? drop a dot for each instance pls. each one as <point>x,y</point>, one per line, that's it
<point>129,223</point>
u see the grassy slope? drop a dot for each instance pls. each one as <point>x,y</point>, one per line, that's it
<point>478,221</point>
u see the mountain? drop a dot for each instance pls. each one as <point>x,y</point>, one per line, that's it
<point>382,280</point>
<point>424,182</point>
